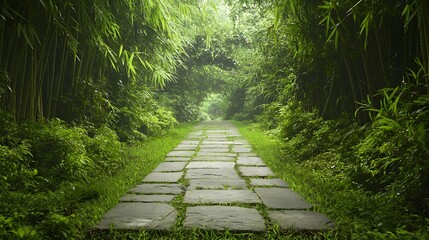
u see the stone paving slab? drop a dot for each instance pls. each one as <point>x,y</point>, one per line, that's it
<point>216,139</point>
<point>241,149</point>
<point>207,154</point>
<point>180,153</point>
<point>211,165</point>
<point>301,220</point>
<point>234,183</point>
<point>185,148</point>
<point>271,182</point>
<point>168,177</point>
<point>146,198</point>
<point>206,142</point>
<point>216,131</point>
<point>210,146</point>
<point>220,196</point>
<point>247,155</point>
<point>255,161</point>
<point>189,142</point>
<point>256,171</point>
<point>281,198</point>
<point>213,158</point>
<point>177,159</point>
<point>159,216</point>
<point>224,218</point>
<point>170,167</point>
<point>211,173</point>
<point>213,150</point>
<point>157,188</point>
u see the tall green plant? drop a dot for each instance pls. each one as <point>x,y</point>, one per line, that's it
<point>48,47</point>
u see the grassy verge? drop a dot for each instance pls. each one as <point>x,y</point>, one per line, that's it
<point>357,214</point>
<point>142,159</point>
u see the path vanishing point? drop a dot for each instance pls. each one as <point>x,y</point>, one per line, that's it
<point>221,183</point>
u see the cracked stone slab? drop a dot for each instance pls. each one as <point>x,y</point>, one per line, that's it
<point>255,161</point>
<point>224,218</point>
<point>194,173</point>
<point>271,182</point>
<point>180,153</point>
<point>160,216</point>
<point>220,196</point>
<point>177,159</point>
<point>281,198</point>
<point>168,177</point>
<point>210,165</point>
<point>146,198</point>
<point>170,167</point>
<point>301,220</point>
<point>234,183</point>
<point>213,158</point>
<point>157,188</point>
<point>256,171</point>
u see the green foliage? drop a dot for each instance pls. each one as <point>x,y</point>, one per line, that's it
<point>88,103</point>
<point>212,107</point>
<point>393,154</point>
<point>104,149</point>
<point>140,115</point>
<point>40,156</point>
<point>58,152</point>
<point>65,207</point>
<point>324,180</point>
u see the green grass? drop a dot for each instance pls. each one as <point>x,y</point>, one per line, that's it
<point>357,214</point>
<point>142,159</point>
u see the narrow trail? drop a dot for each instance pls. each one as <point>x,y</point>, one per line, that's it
<point>213,180</point>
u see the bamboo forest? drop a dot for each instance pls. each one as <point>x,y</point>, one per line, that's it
<point>332,95</point>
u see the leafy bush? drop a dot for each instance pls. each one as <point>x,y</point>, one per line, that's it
<point>387,156</point>
<point>104,149</point>
<point>393,155</point>
<point>58,152</point>
<point>141,116</point>
<point>17,173</point>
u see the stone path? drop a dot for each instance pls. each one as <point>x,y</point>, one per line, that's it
<point>223,185</point>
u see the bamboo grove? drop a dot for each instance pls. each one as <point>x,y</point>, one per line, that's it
<point>343,51</point>
<point>341,85</point>
<point>51,49</point>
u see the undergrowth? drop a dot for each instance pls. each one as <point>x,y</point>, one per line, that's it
<point>371,179</point>
<point>57,180</point>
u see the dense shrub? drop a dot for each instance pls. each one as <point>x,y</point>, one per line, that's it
<point>394,154</point>
<point>139,115</point>
<point>42,155</point>
<point>58,152</point>
<point>387,156</point>
<point>40,163</point>
<point>104,150</point>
